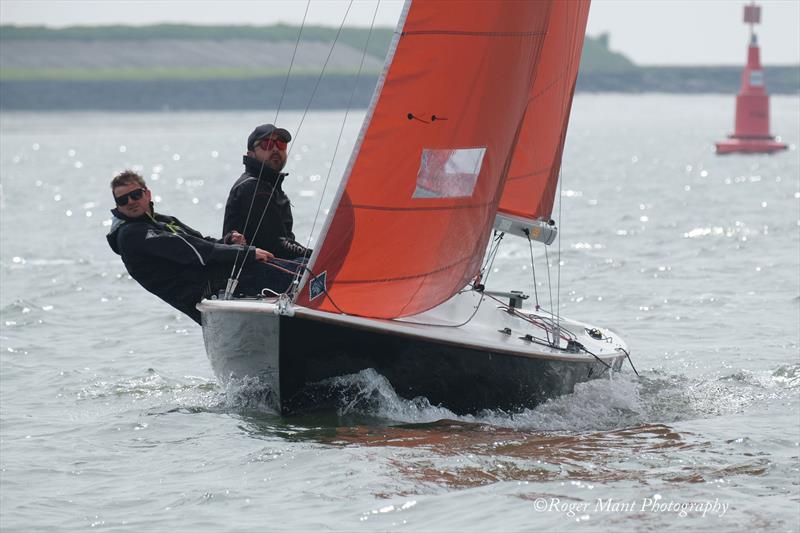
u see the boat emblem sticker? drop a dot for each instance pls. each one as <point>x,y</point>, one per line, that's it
<point>316,286</point>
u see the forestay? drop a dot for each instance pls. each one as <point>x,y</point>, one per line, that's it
<point>468,84</point>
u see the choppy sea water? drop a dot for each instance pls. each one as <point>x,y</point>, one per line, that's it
<point>111,418</point>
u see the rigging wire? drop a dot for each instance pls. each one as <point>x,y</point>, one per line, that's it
<point>308,105</point>
<point>558,269</point>
<point>564,112</point>
<point>550,289</point>
<point>322,72</point>
<point>538,321</point>
<point>232,282</point>
<point>533,268</point>
<point>488,269</point>
<point>291,63</point>
<point>492,251</point>
<point>341,129</point>
<point>608,367</point>
<point>628,355</point>
<point>487,266</point>
<point>570,62</point>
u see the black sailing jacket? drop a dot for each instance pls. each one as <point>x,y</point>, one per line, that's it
<point>173,261</point>
<point>255,186</point>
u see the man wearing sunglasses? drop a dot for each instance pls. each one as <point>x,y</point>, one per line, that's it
<point>257,205</point>
<point>175,262</point>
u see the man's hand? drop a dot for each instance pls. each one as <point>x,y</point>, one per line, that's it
<point>237,238</point>
<point>263,256</point>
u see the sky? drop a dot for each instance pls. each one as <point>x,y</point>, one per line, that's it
<point>649,32</point>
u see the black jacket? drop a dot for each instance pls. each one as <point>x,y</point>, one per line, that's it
<point>173,261</point>
<point>255,186</point>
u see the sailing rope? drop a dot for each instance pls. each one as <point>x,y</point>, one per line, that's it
<point>235,279</point>
<point>308,105</point>
<point>491,255</point>
<point>339,138</point>
<point>538,321</point>
<point>550,289</point>
<point>487,269</point>
<point>483,276</point>
<point>291,63</point>
<point>321,74</point>
<point>533,268</point>
<point>564,110</point>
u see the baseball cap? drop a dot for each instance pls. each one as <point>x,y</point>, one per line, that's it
<point>265,130</point>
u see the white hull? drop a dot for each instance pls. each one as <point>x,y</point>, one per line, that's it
<point>441,354</point>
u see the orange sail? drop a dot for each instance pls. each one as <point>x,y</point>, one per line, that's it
<point>531,184</point>
<point>465,82</point>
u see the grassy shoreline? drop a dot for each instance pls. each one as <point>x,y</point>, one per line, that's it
<point>596,52</point>
<point>377,41</point>
<point>160,73</point>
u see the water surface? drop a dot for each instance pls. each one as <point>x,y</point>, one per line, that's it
<point>112,418</point>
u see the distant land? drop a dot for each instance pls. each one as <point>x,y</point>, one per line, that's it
<point>182,67</point>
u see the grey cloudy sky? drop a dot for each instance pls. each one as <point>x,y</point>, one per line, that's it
<point>650,32</point>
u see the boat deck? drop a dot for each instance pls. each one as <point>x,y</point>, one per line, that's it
<point>491,327</point>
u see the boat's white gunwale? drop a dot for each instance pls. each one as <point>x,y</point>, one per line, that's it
<point>407,329</point>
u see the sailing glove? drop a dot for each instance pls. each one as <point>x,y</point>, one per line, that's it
<point>291,249</point>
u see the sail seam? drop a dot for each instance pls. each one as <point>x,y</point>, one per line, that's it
<point>532,173</point>
<point>416,208</point>
<point>477,33</point>
<point>403,278</point>
<point>550,86</point>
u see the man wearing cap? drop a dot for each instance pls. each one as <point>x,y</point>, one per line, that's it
<point>257,206</point>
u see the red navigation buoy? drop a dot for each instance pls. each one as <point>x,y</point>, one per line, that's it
<point>751,134</point>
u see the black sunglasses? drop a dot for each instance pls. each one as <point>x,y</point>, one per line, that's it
<point>133,195</point>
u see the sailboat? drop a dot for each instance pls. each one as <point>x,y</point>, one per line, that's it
<point>461,145</point>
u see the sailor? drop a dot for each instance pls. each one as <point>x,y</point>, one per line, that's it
<point>178,264</point>
<point>257,206</point>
